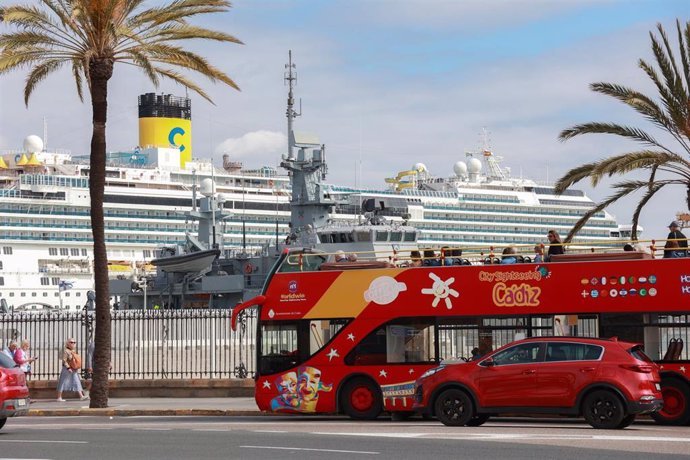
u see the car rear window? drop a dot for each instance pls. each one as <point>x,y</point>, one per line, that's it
<point>638,353</point>
<point>6,362</point>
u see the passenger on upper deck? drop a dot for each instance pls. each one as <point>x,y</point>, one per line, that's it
<point>340,256</point>
<point>415,259</point>
<point>539,253</point>
<point>555,244</point>
<point>430,259</point>
<point>679,248</point>
<point>509,255</point>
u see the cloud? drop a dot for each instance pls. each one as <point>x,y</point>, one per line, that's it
<point>255,145</point>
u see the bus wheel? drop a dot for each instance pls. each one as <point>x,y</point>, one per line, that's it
<point>454,408</point>
<point>676,410</point>
<point>361,399</point>
<point>604,410</point>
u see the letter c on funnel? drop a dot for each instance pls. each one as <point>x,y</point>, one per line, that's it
<point>171,137</point>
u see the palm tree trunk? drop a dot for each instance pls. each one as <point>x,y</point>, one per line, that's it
<point>100,71</point>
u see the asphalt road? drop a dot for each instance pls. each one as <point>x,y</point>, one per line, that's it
<point>154,438</point>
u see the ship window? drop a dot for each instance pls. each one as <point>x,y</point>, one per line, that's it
<point>2,283</point>
<point>83,252</point>
<point>396,236</point>
<point>45,281</point>
<point>64,251</point>
<point>381,236</point>
<point>0,264</point>
<point>7,250</point>
<point>74,251</point>
<point>363,236</point>
<point>52,251</point>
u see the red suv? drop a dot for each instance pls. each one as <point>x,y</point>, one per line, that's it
<point>14,394</point>
<point>607,381</point>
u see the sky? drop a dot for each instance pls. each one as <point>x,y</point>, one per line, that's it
<point>386,84</point>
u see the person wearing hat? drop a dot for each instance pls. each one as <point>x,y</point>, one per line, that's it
<point>676,243</point>
<point>340,256</point>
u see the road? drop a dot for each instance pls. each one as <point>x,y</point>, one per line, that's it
<point>151,438</point>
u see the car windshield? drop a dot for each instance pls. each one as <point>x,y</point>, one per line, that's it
<point>6,362</point>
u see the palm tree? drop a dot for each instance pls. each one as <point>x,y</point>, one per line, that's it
<point>671,114</point>
<point>89,37</point>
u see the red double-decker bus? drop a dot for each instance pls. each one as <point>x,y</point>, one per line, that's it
<point>353,337</point>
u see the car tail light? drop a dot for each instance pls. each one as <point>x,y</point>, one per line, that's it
<point>641,368</point>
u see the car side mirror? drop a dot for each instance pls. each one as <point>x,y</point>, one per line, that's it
<point>489,362</point>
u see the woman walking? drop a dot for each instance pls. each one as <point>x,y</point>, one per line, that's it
<point>69,375</point>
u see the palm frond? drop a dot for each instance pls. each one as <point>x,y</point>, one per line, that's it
<point>573,176</point>
<point>651,191</point>
<point>179,78</point>
<point>38,74</point>
<point>635,134</point>
<point>622,192</point>
<point>77,71</point>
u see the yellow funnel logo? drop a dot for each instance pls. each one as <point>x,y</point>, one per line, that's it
<point>167,132</point>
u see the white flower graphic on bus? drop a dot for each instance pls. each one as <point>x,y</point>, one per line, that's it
<point>441,290</point>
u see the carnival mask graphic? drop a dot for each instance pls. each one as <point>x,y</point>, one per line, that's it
<point>299,391</point>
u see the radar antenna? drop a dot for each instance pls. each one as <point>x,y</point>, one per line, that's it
<point>492,161</point>
<point>290,79</point>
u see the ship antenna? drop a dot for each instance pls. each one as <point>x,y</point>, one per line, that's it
<point>45,134</point>
<point>291,79</point>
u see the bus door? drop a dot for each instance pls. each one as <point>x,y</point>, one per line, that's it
<point>509,378</point>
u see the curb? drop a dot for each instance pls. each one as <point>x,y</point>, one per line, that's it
<point>108,412</point>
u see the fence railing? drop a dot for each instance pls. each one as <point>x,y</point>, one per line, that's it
<point>151,344</point>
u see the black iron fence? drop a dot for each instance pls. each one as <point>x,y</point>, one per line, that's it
<point>152,344</point>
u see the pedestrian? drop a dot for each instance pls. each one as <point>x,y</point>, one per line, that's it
<point>555,244</point>
<point>22,358</point>
<point>475,354</point>
<point>11,349</point>
<point>676,243</point>
<point>69,375</point>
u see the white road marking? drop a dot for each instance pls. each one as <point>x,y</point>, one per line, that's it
<point>364,452</point>
<point>269,431</point>
<point>153,429</point>
<point>41,441</point>
<point>373,435</point>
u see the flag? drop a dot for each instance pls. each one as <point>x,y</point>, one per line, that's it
<point>64,285</point>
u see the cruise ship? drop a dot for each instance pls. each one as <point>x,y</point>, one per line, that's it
<point>45,236</point>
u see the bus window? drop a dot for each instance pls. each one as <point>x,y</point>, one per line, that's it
<point>279,349</point>
<point>405,340</point>
<point>302,262</point>
<point>286,344</point>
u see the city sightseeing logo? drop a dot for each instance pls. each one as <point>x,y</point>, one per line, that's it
<point>515,295</point>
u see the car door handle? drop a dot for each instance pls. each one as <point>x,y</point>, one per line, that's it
<point>587,369</point>
<point>529,371</point>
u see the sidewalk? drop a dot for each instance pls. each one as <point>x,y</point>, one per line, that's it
<point>122,407</point>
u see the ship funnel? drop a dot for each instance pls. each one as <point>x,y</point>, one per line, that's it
<point>166,121</point>
<point>231,166</point>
